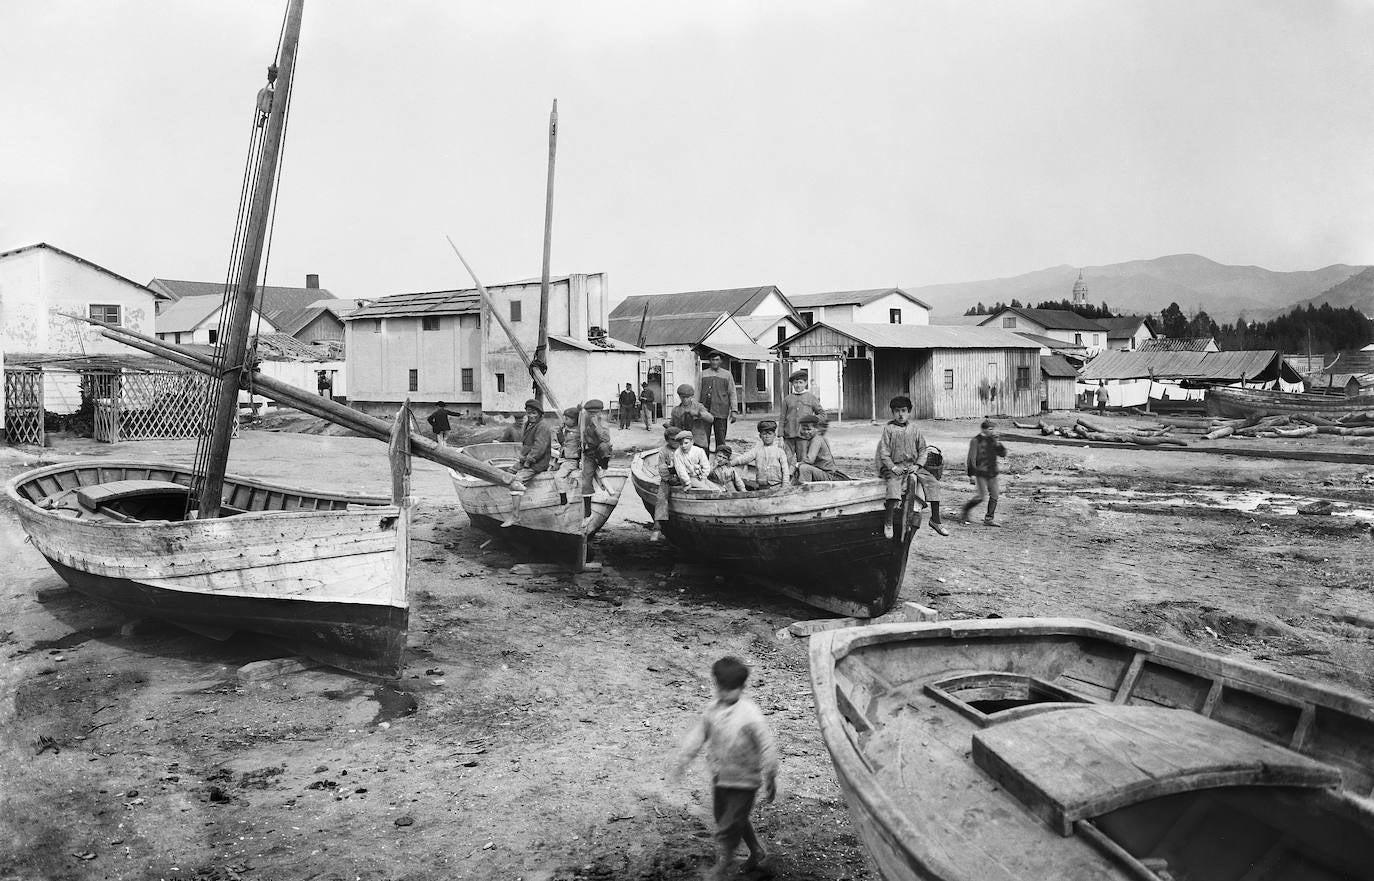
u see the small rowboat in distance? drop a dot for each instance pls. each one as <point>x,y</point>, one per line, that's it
<point>552,523</point>
<point>1064,750</point>
<point>821,543</point>
<point>1242,402</point>
<point>324,574</point>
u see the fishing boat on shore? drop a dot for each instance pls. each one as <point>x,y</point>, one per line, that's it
<point>1065,750</point>
<point>553,524</point>
<point>1243,402</point>
<point>821,543</point>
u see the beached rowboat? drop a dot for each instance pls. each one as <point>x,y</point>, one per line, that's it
<point>1064,750</point>
<point>325,574</point>
<point>551,514</point>
<point>1242,402</point>
<point>821,543</point>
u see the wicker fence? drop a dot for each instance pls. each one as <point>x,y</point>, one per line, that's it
<point>142,405</point>
<point>24,406</point>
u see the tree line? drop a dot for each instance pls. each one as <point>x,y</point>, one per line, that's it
<point>1087,310</point>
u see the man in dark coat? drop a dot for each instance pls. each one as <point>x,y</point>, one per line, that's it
<point>718,396</point>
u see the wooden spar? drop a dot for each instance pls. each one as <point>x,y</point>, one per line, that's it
<point>541,348</point>
<point>643,318</point>
<point>398,453</point>
<point>505,325</point>
<point>225,412</point>
<point>315,405</point>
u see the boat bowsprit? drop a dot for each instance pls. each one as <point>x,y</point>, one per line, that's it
<point>322,573</point>
<point>1064,750</point>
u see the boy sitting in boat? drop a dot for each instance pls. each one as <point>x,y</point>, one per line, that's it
<point>902,450</point>
<point>689,415</point>
<point>817,462</point>
<point>690,463</point>
<point>667,478</point>
<point>723,475</point>
<point>742,754</point>
<point>596,452</point>
<point>570,445</point>
<point>536,449</point>
<point>772,467</point>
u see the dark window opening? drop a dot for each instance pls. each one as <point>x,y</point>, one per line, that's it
<point>214,337</point>
<point>782,333</point>
<point>761,378</point>
<point>514,310</point>
<point>429,323</point>
<point>500,382</point>
<point>108,313</point>
<point>894,316</point>
<point>414,380</point>
<point>949,379</point>
<point>467,379</point>
<point>808,318</point>
<point>1022,378</point>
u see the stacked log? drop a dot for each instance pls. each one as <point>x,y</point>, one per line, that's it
<point>1291,426</point>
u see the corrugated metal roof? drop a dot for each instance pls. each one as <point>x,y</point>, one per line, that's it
<point>1050,342</point>
<point>95,361</point>
<point>188,313</point>
<point>855,298</point>
<point>1122,325</point>
<point>920,336</point>
<point>287,308</point>
<point>455,302</point>
<point>1176,344</point>
<point>1205,366</point>
<point>611,344</point>
<point>1057,365</point>
<point>1052,319</point>
<point>730,301</point>
<point>677,330</point>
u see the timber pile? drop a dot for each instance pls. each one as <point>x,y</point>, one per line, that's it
<point>1145,436</point>
<point>1292,426</point>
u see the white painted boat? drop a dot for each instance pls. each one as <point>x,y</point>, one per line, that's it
<point>552,522</point>
<point>1065,750</point>
<point>821,543</point>
<point>325,574</point>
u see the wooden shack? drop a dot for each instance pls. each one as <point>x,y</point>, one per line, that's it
<point>948,372</point>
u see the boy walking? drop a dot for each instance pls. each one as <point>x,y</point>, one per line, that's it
<point>742,754</point>
<point>902,450</point>
<point>438,422</point>
<point>983,452</point>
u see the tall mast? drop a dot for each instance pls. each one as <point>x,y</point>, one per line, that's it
<point>541,348</point>
<point>240,304</point>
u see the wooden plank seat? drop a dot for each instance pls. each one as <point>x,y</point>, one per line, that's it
<point>1081,762</point>
<point>102,494</point>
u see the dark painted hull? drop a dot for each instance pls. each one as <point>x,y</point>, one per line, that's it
<point>538,544</point>
<point>366,639</point>
<point>1242,403</point>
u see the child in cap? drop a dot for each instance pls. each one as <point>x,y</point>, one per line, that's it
<point>742,754</point>
<point>691,463</point>
<point>902,451</point>
<point>536,449</point>
<point>722,473</point>
<point>772,467</point>
<point>691,416</point>
<point>795,404</point>
<point>983,452</point>
<point>438,422</point>
<point>596,452</point>
<point>817,462</point>
<point>667,478</point>
<point>570,441</point>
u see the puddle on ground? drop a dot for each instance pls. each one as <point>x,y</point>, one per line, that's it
<point>392,703</point>
<point>1248,501</point>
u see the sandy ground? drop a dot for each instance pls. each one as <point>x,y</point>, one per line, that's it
<point>528,736</point>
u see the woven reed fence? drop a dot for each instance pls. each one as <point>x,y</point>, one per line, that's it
<point>142,405</point>
<point>24,406</point>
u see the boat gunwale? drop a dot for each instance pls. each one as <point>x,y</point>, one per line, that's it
<point>859,490</point>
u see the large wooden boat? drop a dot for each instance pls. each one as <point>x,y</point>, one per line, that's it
<point>821,543</point>
<point>552,521</point>
<point>1243,402</point>
<point>1063,750</point>
<point>325,574</point>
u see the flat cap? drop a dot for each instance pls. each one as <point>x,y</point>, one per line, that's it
<point>534,406</point>
<point>593,405</point>
<point>723,450</point>
<point>684,434</point>
<point>686,389</point>
<point>798,374</point>
<point>670,431</point>
<point>810,419</point>
<point>571,412</point>
<point>768,425</point>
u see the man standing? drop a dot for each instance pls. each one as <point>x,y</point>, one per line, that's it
<point>718,396</point>
<point>1103,398</point>
<point>324,382</point>
<point>627,401</point>
<point>795,404</point>
<point>646,404</point>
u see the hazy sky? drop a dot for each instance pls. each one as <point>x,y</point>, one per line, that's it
<point>812,145</point>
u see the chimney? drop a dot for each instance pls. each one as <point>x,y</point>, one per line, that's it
<point>312,282</point>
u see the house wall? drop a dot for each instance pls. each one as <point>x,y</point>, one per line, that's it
<point>325,326</point>
<point>577,376</point>
<point>1057,393</point>
<point>773,304</point>
<point>378,364</point>
<point>1093,341</point>
<point>877,311</point>
<point>970,367</point>
<point>302,375</point>
<point>200,334</point>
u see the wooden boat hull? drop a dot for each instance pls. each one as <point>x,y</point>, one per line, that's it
<point>1236,403</point>
<point>1061,749</point>
<point>821,543</point>
<point>551,524</point>
<point>324,574</point>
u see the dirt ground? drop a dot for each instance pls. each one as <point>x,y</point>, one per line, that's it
<point>529,734</point>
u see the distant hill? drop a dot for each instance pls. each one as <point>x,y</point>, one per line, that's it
<point>1357,291</point>
<point>1190,280</point>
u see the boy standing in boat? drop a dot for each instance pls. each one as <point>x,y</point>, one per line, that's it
<point>667,478</point>
<point>718,396</point>
<point>536,448</point>
<point>596,452</point>
<point>795,404</point>
<point>901,451</point>
<point>772,467</point>
<point>689,415</point>
<point>742,754</point>
<point>570,445</point>
<point>983,452</point>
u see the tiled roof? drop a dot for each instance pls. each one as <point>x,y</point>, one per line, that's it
<point>83,261</point>
<point>676,330</point>
<point>605,344</point>
<point>921,336</point>
<point>425,303</point>
<point>1180,344</point>
<point>1204,366</point>
<point>1052,319</point>
<point>1050,342</point>
<point>1057,365</point>
<point>1122,325</point>
<point>855,298</point>
<point>730,301</point>
<point>287,309</point>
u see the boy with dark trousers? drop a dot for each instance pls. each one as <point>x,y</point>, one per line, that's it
<point>742,754</point>
<point>983,452</point>
<point>902,450</point>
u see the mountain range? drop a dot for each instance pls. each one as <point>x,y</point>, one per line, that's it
<point>1193,281</point>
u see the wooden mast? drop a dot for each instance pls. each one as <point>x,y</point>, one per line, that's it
<point>541,348</point>
<point>240,304</point>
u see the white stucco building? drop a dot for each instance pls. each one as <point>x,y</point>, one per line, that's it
<point>1059,324</point>
<point>873,306</point>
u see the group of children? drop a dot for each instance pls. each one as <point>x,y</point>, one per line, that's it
<point>582,446</point>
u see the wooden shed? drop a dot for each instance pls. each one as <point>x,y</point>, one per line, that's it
<point>948,372</point>
<point>1059,377</point>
